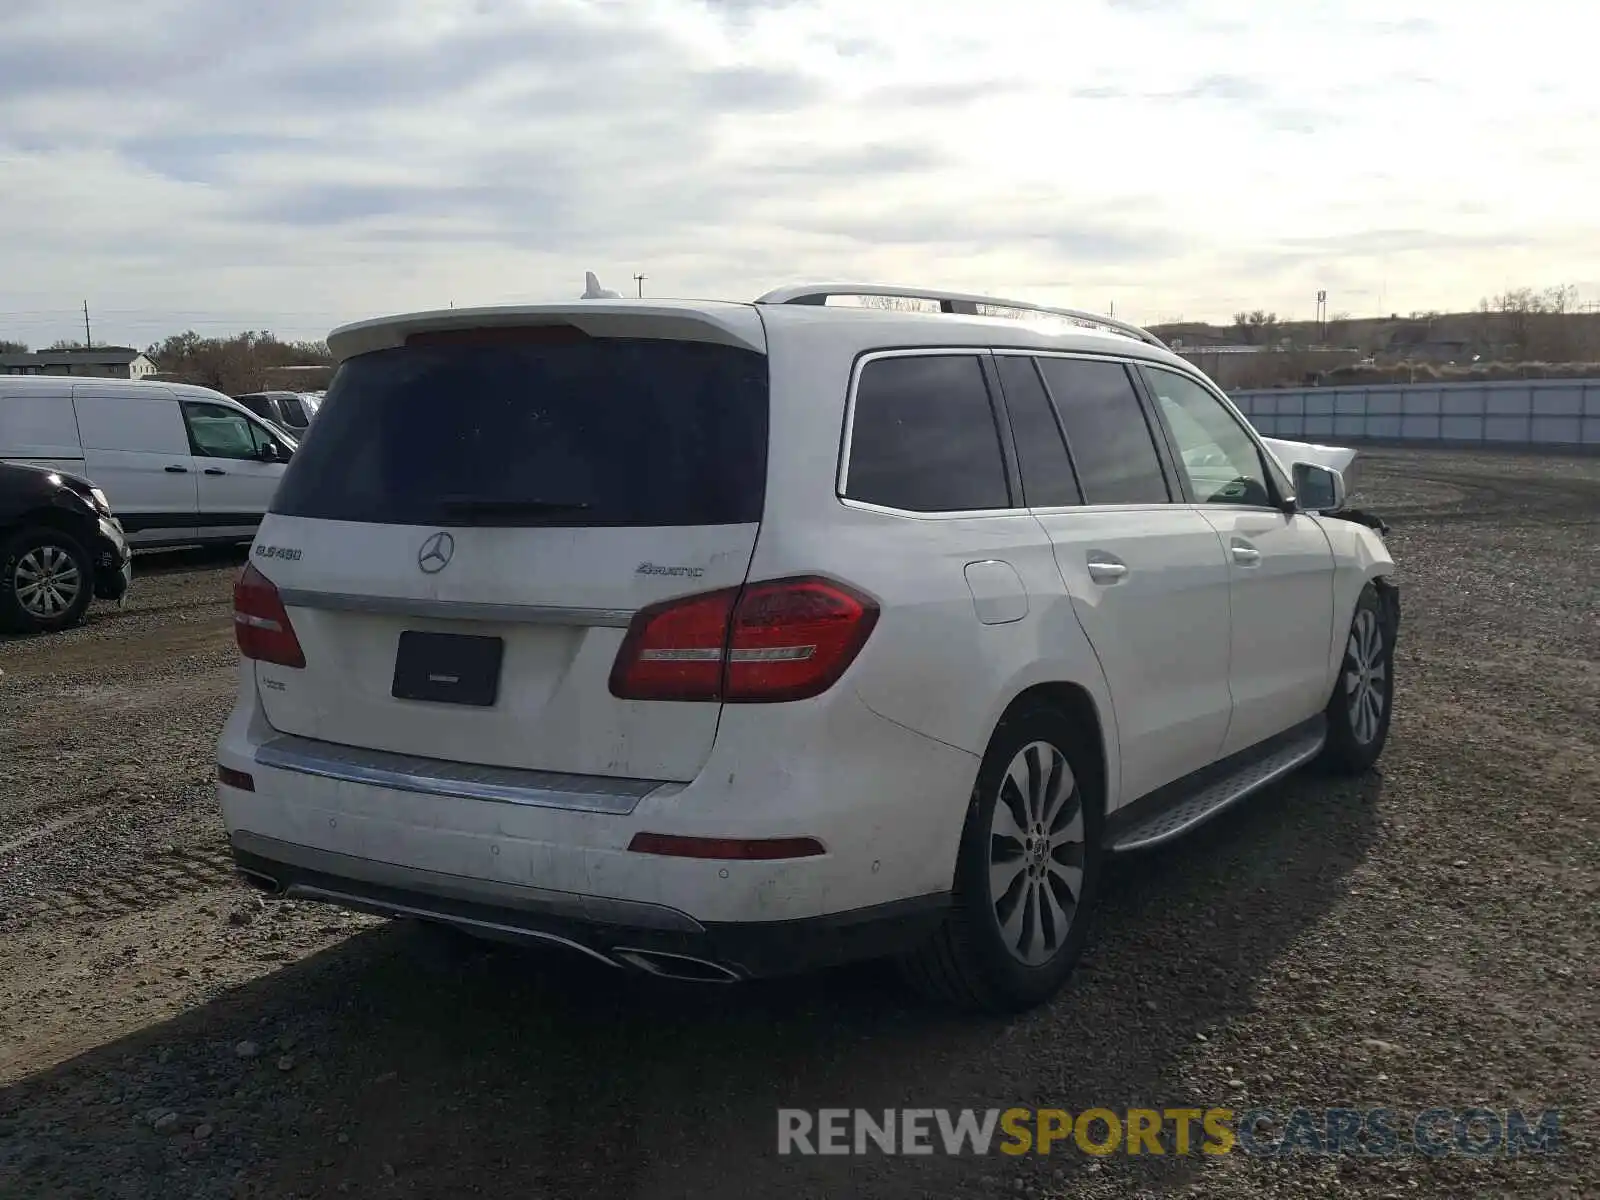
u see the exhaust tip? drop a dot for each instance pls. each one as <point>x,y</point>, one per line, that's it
<point>682,967</point>
<point>262,883</point>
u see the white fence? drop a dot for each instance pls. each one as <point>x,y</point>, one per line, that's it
<point>1518,412</point>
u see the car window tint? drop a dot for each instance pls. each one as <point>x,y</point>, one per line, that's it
<point>1111,443</point>
<point>924,437</point>
<point>1047,478</point>
<point>219,432</point>
<point>507,428</point>
<point>1219,459</point>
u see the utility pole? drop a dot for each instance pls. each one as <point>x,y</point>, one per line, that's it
<point>639,279</point>
<point>1113,309</point>
<point>88,342</point>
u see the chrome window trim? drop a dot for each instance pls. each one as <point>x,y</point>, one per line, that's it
<point>846,441</point>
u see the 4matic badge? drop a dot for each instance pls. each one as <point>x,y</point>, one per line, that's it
<point>650,568</point>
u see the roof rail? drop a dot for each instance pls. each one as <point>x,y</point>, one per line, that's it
<point>953,302</point>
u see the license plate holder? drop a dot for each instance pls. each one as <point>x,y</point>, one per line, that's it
<point>447,668</point>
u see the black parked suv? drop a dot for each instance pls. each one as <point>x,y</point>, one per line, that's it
<point>286,409</point>
<point>60,546</point>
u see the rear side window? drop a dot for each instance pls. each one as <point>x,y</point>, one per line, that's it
<point>147,419</point>
<point>924,437</point>
<point>1047,480</point>
<point>32,423</point>
<point>293,412</point>
<point>587,432</point>
<point>1111,443</point>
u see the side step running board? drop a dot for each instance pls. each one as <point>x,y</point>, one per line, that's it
<point>1172,811</point>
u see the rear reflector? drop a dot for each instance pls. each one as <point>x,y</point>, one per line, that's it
<point>236,779</point>
<point>783,639</point>
<point>261,623</point>
<point>734,848</point>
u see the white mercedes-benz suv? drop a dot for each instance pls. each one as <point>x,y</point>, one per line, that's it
<point>721,640</point>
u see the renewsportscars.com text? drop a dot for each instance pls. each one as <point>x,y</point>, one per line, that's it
<point>1375,1132</point>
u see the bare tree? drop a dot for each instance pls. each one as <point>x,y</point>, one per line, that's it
<point>1527,323</point>
<point>233,365</point>
<point>13,347</point>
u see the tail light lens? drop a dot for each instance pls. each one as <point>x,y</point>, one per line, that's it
<point>785,639</point>
<point>261,623</point>
<point>674,651</point>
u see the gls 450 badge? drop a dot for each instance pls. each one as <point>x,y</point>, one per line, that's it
<point>292,553</point>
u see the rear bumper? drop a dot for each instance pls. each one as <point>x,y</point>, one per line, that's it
<point>885,803</point>
<point>645,937</point>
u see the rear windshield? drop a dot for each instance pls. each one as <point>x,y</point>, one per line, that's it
<point>613,431</point>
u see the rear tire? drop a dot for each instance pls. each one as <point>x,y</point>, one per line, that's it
<point>1040,852</point>
<point>1362,703</point>
<point>46,581</point>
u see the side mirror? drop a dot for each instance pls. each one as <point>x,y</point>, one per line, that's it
<point>1318,489</point>
<point>272,452</point>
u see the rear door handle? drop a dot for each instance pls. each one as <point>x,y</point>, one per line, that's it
<point>1106,568</point>
<point>215,471</point>
<point>1244,553</point>
<point>176,470</point>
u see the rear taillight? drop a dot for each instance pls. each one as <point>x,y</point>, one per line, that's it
<point>785,639</point>
<point>261,623</point>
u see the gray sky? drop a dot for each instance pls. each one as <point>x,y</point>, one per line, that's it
<point>296,164</point>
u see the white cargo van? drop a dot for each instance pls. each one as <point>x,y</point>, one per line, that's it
<point>180,464</point>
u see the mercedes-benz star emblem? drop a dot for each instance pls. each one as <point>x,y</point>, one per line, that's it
<point>435,553</point>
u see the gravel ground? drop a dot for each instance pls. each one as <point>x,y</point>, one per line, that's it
<point>1422,937</point>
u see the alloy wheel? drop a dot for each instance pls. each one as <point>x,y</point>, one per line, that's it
<point>1036,853</point>
<point>47,582</point>
<point>1365,674</point>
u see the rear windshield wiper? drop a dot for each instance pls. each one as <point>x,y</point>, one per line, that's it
<point>467,506</point>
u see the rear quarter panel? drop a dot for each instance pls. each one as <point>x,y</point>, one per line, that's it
<point>930,665</point>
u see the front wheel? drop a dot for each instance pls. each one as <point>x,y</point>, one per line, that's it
<point>1358,712</point>
<point>46,581</point>
<point>1026,873</point>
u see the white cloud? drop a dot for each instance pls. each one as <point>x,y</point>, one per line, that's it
<point>294,165</point>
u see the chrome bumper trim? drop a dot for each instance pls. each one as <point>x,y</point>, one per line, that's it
<point>465,781</point>
<point>418,889</point>
<point>457,610</point>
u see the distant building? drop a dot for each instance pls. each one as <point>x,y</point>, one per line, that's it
<point>102,362</point>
